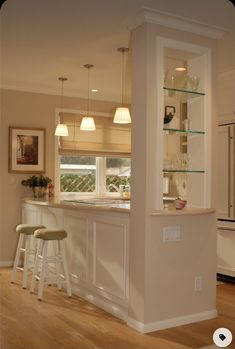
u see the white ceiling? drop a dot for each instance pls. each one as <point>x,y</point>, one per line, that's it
<point>42,40</point>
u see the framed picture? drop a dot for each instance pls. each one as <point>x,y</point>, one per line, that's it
<point>169,113</point>
<point>26,150</point>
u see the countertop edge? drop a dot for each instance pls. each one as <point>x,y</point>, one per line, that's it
<point>183,212</point>
<point>57,203</point>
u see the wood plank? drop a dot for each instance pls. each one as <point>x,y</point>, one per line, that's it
<point>62,323</point>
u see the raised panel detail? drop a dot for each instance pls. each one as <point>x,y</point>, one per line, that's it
<point>109,258</point>
<point>77,246</point>
<point>31,215</point>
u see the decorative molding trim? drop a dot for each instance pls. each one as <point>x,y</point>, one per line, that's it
<point>178,321</point>
<point>6,264</point>
<point>166,19</point>
<point>114,309</point>
<point>82,112</point>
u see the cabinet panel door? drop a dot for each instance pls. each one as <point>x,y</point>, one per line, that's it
<point>31,214</point>
<point>225,252</point>
<point>226,95</point>
<point>77,246</point>
<point>110,257</point>
<point>223,172</point>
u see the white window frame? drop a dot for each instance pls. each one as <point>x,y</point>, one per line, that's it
<point>100,166</point>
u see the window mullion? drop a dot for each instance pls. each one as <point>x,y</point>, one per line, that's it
<point>100,176</point>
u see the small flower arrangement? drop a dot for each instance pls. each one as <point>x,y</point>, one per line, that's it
<point>36,181</point>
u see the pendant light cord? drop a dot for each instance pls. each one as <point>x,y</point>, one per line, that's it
<point>88,92</point>
<point>62,92</point>
<point>123,52</point>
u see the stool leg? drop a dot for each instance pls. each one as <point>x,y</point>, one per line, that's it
<point>26,261</point>
<point>58,265</point>
<point>66,273</point>
<point>17,258</point>
<point>43,270</point>
<point>36,265</point>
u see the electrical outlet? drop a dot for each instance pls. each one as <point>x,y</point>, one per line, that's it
<point>198,283</point>
<point>171,233</point>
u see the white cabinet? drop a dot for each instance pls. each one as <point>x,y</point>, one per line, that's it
<point>97,249</point>
<point>226,84</point>
<point>110,256</point>
<point>226,249</point>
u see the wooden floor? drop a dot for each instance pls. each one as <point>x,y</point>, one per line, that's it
<point>62,323</point>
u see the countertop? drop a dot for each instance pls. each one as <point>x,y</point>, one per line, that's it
<point>80,204</point>
<point>183,212</point>
<point>108,204</point>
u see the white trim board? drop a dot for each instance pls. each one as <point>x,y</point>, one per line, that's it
<point>105,304</point>
<point>174,322</point>
<point>169,20</point>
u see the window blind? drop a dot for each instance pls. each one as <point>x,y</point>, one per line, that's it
<point>108,138</point>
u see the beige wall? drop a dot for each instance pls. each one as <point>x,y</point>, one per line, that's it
<point>158,271</point>
<point>28,110</point>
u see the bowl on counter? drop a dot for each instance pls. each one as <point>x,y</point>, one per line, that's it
<point>180,204</point>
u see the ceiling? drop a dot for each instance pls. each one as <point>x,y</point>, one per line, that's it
<point>42,40</point>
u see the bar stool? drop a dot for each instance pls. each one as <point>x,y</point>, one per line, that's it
<point>26,231</point>
<point>45,237</point>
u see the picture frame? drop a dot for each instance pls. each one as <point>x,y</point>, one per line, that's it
<point>26,150</point>
<point>169,113</point>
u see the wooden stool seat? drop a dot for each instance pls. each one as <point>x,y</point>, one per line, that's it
<point>46,237</point>
<point>50,234</point>
<point>28,229</point>
<point>26,232</point>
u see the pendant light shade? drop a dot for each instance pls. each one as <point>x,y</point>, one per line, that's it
<point>122,114</point>
<point>62,129</point>
<point>88,122</point>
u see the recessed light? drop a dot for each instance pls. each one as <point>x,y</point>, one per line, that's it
<point>180,68</point>
<point>94,90</point>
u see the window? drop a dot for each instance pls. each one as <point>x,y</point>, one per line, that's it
<point>97,175</point>
<point>77,174</point>
<point>118,172</point>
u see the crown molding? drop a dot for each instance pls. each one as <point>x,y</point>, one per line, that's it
<point>169,20</point>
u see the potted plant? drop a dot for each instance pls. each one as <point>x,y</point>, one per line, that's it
<point>38,183</point>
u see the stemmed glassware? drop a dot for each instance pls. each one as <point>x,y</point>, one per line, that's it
<point>194,82</point>
<point>183,160</point>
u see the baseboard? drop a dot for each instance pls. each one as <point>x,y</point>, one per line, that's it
<point>6,264</point>
<point>105,304</point>
<point>174,322</point>
<point>226,271</point>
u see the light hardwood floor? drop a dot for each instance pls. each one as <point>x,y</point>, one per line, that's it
<point>62,323</point>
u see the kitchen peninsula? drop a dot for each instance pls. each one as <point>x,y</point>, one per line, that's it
<point>97,245</point>
<point>99,251</point>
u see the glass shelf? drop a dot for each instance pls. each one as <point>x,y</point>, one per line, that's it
<point>185,93</point>
<point>184,132</point>
<point>182,171</point>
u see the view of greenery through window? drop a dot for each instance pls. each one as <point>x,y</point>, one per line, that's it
<point>78,173</point>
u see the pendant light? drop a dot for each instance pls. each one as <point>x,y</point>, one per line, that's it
<point>122,114</point>
<point>88,123</point>
<point>62,129</point>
